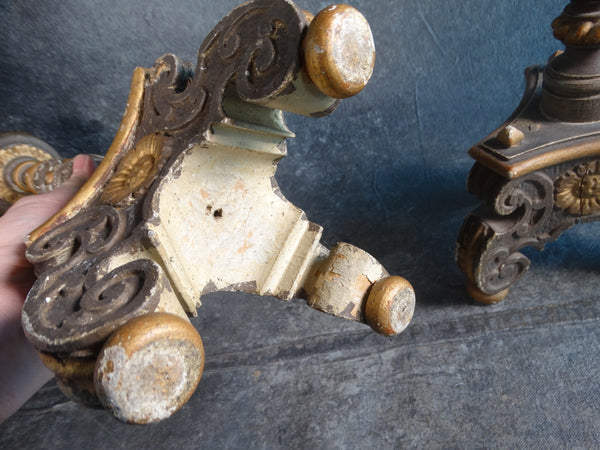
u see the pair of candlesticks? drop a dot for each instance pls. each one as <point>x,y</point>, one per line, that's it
<point>185,202</point>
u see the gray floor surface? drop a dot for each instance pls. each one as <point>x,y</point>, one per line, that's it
<point>385,172</point>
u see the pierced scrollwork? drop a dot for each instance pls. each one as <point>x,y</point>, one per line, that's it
<point>71,243</point>
<point>75,304</point>
<point>255,47</point>
<point>489,240</point>
<point>252,53</point>
<point>79,310</point>
<point>528,200</point>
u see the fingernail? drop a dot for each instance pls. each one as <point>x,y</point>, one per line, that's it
<point>83,165</point>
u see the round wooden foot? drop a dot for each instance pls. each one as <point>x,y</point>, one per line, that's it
<point>74,376</point>
<point>339,51</point>
<point>390,305</point>
<point>149,367</point>
<point>484,298</point>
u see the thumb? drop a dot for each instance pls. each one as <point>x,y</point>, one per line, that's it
<point>83,166</point>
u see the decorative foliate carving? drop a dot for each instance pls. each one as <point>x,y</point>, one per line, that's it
<point>540,174</point>
<point>578,25</point>
<point>253,52</point>
<point>185,203</point>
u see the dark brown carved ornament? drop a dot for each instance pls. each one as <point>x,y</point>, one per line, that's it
<point>539,173</point>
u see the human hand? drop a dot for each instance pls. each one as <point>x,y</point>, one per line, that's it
<point>21,370</point>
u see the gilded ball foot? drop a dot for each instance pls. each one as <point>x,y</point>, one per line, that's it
<point>390,305</point>
<point>74,376</point>
<point>149,368</point>
<point>487,299</point>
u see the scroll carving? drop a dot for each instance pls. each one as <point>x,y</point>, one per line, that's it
<point>528,211</point>
<point>92,232</point>
<point>540,174</point>
<point>185,203</point>
<point>260,57</point>
<point>528,200</point>
<point>255,49</point>
<point>73,305</point>
<point>80,309</point>
<point>523,215</point>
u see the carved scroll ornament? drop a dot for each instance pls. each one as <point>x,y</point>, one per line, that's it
<point>185,203</point>
<point>518,213</point>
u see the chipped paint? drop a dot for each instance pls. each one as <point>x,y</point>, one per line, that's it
<point>146,372</point>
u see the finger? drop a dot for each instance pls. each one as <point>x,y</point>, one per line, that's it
<point>83,166</point>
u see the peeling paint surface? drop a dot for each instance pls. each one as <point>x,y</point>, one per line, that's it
<point>150,384</point>
<point>236,228</point>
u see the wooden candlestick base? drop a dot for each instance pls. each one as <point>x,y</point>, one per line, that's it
<point>185,203</point>
<point>539,173</point>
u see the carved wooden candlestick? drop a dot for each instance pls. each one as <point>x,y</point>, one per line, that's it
<point>185,203</point>
<point>539,173</point>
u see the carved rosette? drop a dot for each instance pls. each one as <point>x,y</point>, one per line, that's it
<point>578,189</point>
<point>528,211</point>
<point>136,171</point>
<point>557,183</point>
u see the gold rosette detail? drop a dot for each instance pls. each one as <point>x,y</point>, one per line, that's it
<point>135,171</point>
<point>578,189</point>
